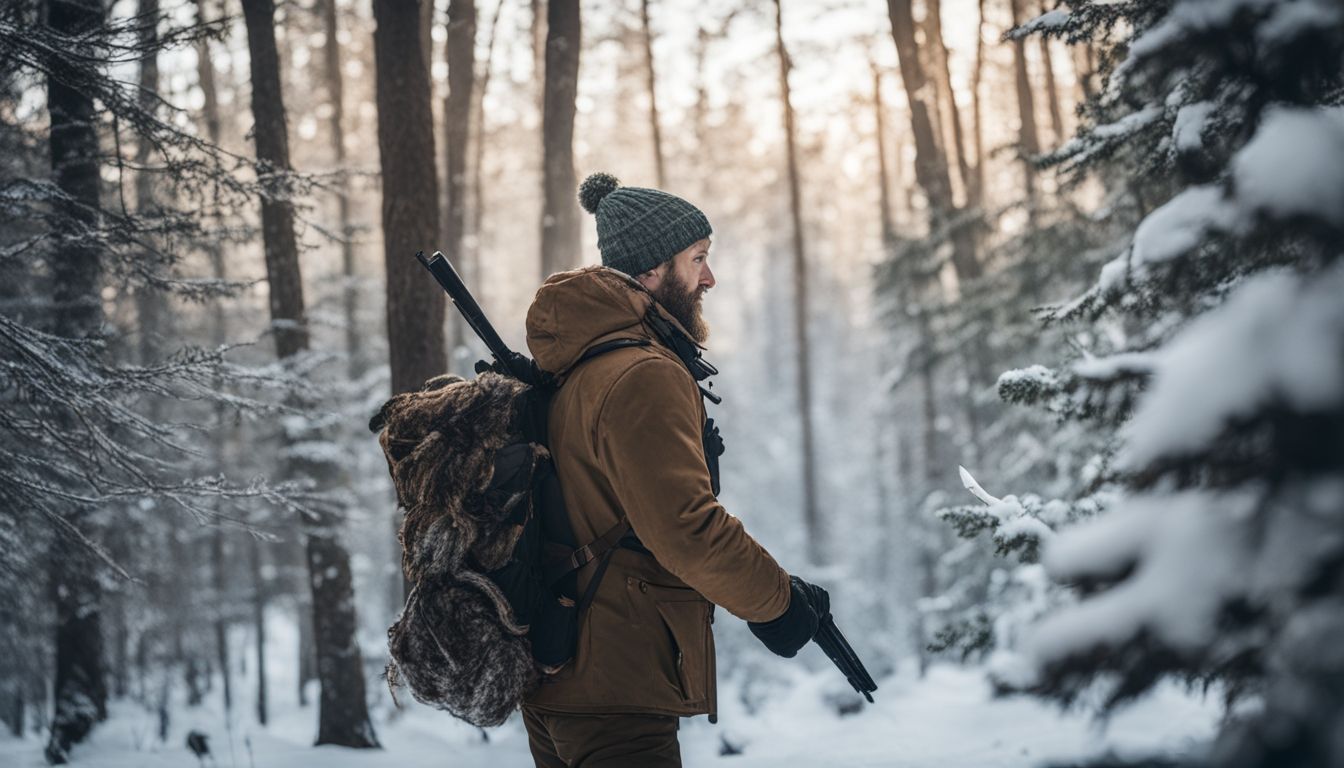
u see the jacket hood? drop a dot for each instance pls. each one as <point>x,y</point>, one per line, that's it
<point>574,310</point>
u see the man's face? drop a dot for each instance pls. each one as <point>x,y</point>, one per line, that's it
<point>680,283</point>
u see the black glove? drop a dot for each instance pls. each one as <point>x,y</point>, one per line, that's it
<point>808,605</point>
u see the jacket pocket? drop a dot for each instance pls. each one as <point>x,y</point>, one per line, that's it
<point>685,615</point>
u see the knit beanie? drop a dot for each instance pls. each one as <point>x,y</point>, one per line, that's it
<point>638,228</point>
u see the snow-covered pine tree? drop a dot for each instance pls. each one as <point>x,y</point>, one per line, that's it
<point>989,593</point>
<point>1220,133</point>
<point>986,325</point>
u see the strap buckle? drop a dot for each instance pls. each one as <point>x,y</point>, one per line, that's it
<point>581,557</point>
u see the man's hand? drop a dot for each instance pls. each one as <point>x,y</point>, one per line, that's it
<point>808,605</point>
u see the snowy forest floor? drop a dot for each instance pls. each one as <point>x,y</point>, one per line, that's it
<point>947,718</point>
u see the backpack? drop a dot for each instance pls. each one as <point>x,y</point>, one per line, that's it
<point>487,546</point>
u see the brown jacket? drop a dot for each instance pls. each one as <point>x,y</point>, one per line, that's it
<point>625,433</point>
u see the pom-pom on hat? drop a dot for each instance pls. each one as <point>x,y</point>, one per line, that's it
<point>639,228</point>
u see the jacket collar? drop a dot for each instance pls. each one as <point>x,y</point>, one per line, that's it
<point>575,310</point>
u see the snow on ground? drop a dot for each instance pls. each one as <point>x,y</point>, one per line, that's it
<point>947,718</point>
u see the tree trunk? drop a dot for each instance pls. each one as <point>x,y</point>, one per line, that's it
<point>80,688</point>
<point>1027,144</point>
<point>1051,90</point>
<point>14,711</point>
<point>343,717</point>
<point>121,647</point>
<point>928,581</point>
<point>883,183</point>
<point>415,304</point>
<point>560,209</point>
<point>1084,66</point>
<point>931,171</point>
<point>220,585</point>
<point>81,692</point>
<point>303,610</point>
<point>460,54</point>
<point>973,365</point>
<point>818,549</point>
<point>149,301</point>
<point>539,12</point>
<point>701,110</point>
<point>978,188</point>
<point>478,161</point>
<point>426,31</point>
<point>277,212</point>
<point>258,622</point>
<point>929,396</point>
<point>205,71</point>
<point>178,605</point>
<point>943,74</point>
<point>331,54</point>
<point>657,133</point>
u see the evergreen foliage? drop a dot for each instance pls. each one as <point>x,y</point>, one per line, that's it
<point>1217,377</point>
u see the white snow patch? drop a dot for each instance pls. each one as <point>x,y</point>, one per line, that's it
<point>1276,336</point>
<point>947,717</point>
<point>1186,17</point>
<point>1022,525</point>
<point>1290,21</point>
<point>1128,124</point>
<point>1114,365</point>
<point>1187,553</point>
<point>1187,130</point>
<point>1180,225</point>
<point>1171,231</point>
<point>1049,20</point>
<point>1191,553</point>
<point>1294,165</point>
<point>1037,374</point>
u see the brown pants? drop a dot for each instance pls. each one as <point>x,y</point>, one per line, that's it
<point>602,741</point>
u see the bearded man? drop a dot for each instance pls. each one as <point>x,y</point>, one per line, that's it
<point>628,437</point>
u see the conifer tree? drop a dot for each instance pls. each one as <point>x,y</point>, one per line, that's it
<point>1207,354</point>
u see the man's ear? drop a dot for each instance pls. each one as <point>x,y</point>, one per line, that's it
<point>654,276</point>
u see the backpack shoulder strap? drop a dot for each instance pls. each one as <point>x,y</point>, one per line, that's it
<point>599,546</point>
<point>601,349</point>
<point>560,565</point>
<point>599,549</point>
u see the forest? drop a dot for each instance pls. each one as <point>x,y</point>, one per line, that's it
<point>1028,325</point>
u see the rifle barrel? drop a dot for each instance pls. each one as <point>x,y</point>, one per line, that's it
<point>443,271</point>
<point>863,675</point>
<point>851,658</point>
<point>838,649</point>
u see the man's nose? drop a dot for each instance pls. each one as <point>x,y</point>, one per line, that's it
<point>707,277</point>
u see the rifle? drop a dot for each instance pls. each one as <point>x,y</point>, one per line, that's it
<point>838,649</point>
<point>442,269</point>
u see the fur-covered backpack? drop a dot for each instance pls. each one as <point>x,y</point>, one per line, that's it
<point>486,543</point>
